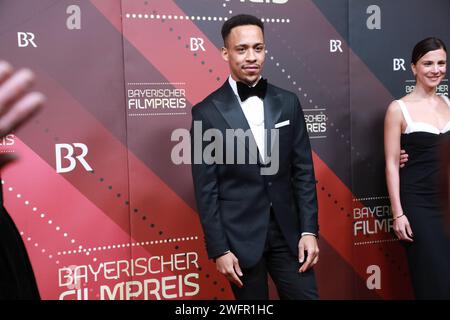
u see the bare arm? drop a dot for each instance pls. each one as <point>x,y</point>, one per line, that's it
<point>392,134</point>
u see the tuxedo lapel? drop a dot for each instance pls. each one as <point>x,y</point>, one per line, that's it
<point>272,113</point>
<point>227,104</point>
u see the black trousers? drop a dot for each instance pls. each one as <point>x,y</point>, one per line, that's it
<point>283,266</point>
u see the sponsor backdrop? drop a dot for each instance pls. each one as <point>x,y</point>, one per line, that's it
<point>104,209</point>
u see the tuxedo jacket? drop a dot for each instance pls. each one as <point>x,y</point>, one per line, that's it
<point>234,200</point>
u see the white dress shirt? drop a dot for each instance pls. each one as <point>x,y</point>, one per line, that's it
<point>253,109</point>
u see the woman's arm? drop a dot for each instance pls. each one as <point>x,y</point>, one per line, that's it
<point>392,133</point>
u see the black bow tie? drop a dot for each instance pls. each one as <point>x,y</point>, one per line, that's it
<point>246,92</point>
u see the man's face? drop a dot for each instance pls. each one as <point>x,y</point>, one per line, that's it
<point>245,52</point>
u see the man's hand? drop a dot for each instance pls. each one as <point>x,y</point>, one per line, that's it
<point>308,243</point>
<point>403,158</point>
<point>17,104</point>
<point>228,265</point>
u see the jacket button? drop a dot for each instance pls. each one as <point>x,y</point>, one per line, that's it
<point>269,184</point>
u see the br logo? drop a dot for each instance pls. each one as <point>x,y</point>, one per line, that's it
<point>197,44</point>
<point>25,39</point>
<point>69,151</point>
<point>399,64</point>
<point>335,45</point>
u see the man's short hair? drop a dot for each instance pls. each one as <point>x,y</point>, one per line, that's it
<point>240,20</point>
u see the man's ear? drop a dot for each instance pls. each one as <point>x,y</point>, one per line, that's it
<point>224,51</point>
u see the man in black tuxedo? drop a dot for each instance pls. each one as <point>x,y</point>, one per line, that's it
<point>255,221</point>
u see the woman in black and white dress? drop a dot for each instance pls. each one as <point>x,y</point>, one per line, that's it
<point>419,123</point>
